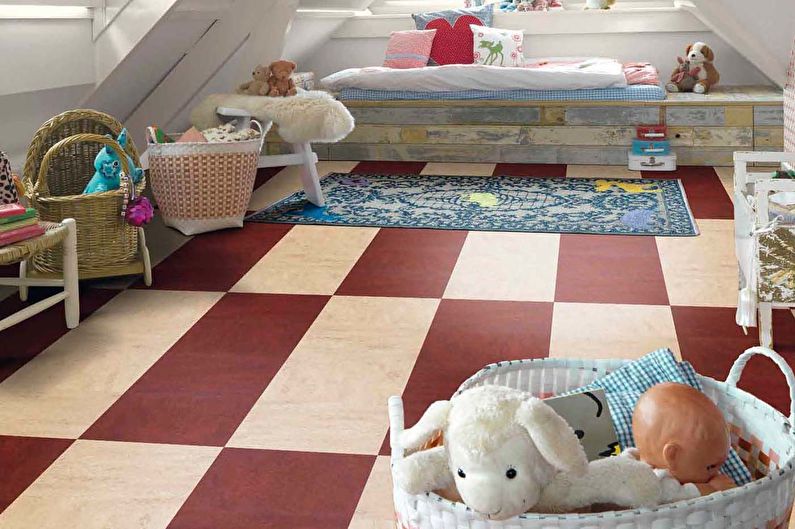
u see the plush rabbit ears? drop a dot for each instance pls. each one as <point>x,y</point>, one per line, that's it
<point>432,421</point>
<point>552,435</point>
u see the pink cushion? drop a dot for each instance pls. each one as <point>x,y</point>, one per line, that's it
<point>409,49</point>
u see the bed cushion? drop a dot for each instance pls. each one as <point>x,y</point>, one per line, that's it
<point>453,41</point>
<point>409,49</point>
<point>497,47</point>
<point>628,93</point>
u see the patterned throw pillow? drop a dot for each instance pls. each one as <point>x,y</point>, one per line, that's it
<point>8,190</point>
<point>453,41</point>
<point>497,47</point>
<point>409,49</point>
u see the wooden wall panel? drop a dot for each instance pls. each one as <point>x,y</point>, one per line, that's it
<point>713,116</point>
<point>612,115</point>
<point>446,115</point>
<point>769,115</point>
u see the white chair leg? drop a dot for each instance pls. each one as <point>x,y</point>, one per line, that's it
<point>70,275</point>
<point>23,273</point>
<point>146,258</point>
<point>309,176</point>
<point>766,325</point>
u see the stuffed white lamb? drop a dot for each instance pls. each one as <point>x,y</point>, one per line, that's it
<point>508,453</point>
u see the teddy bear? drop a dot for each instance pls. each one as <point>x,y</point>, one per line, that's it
<point>107,176</point>
<point>259,85</point>
<point>280,83</point>
<point>695,72</point>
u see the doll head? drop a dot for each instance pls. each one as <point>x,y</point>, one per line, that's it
<point>678,428</point>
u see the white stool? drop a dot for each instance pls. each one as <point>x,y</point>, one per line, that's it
<point>64,233</point>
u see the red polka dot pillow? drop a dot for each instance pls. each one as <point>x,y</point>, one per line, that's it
<point>497,47</point>
<point>453,41</point>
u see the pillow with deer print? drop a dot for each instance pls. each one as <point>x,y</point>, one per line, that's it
<point>497,47</point>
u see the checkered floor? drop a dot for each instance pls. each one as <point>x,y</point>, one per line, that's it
<point>247,388</point>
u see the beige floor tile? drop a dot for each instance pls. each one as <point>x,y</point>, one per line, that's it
<point>102,485</point>
<point>331,394</point>
<point>701,271</point>
<point>376,509</point>
<point>308,260</point>
<point>288,181</point>
<point>601,171</point>
<point>456,169</point>
<point>726,175</point>
<point>63,390</point>
<point>506,266</point>
<point>584,330</point>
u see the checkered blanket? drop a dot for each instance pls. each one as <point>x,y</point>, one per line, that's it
<point>624,387</point>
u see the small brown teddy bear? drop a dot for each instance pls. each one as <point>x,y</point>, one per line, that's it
<point>280,83</point>
<point>259,86</point>
<point>696,71</point>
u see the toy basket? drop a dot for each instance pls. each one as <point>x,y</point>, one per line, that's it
<point>762,436</point>
<point>202,187</point>
<point>59,164</point>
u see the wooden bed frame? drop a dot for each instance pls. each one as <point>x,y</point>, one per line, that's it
<point>703,129</point>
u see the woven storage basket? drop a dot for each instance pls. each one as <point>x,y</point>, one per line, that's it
<point>202,187</point>
<point>763,437</point>
<point>59,164</point>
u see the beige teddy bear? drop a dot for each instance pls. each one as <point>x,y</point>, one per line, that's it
<point>259,86</point>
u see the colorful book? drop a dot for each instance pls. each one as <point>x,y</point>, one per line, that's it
<point>30,221</point>
<point>26,214</point>
<point>9,210</point>
<point>28,232</point>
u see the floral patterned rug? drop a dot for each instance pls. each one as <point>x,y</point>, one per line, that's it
<point>488,203</point>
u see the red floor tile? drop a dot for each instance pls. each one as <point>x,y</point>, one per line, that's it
<point>23,459</point>
<point>259,489</point>
<point>465,336</point>
<point>705,192</point>
<point>711,341</point>
<point>376,167</point>
<point>202,388</point>
<point>23,341</point>
<point>216,261</point>
<point>412,263</point>
<point>530,169</point>
<point>264,174</point>
<point>610,269</point>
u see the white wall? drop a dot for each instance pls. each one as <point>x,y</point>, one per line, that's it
<point>661,49</point>
<point>43,54</point>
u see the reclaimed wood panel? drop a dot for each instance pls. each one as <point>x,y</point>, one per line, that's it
<point>613,136</point>
<point>696,116</point>
<point>709,156</point>
<point>553,116</point>
<point>739,116</point>
<point>446,115</point>
<point>769,115</point>
<point>769,137</point>
<point>681,136</point>
<point>626,115</point>
<point>723,137</point>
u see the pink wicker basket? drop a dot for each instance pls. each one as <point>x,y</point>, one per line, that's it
<point>763,437</point>
<point>202,187</point>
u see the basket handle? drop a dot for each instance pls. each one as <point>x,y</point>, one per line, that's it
<point>42,187</point>
<point>395,427</point>
<point>739,365</point>
<point>261,130</point>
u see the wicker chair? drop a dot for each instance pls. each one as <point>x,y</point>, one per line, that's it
<point>57,235</point>
<point>59,163</point>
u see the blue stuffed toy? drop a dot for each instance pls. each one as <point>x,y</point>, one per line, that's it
<point>108,168</point>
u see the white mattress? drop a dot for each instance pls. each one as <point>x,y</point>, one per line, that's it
<point>562,73</point>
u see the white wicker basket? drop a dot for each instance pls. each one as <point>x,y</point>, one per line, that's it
<point>202,187</point>
<point>763,437</point>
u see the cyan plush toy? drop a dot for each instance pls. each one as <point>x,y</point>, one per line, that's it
<point>108,168</point>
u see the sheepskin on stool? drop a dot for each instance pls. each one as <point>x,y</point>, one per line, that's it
<point>308,117</point>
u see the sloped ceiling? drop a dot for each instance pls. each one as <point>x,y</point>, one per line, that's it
<point>761,30</point>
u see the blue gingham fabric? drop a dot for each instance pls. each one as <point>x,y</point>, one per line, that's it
<point>629,93</point>
<point>624,387</point>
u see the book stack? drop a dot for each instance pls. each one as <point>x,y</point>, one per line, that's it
<point>18,223</point>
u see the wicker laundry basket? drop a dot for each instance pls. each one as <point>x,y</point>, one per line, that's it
<point>59,164</point>
<point>201,187</point>
<point>762,436</point>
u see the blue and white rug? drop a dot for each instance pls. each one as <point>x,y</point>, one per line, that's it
<point>488,203</point>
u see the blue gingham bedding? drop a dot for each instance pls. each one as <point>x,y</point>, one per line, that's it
<point>624,387</point>
<point>629,93</point>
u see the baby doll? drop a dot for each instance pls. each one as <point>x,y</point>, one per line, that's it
<point>679,430</point>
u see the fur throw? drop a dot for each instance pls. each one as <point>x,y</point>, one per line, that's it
<point>310,116</point>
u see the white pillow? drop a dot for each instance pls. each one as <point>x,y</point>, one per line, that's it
<point>497,47</point>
